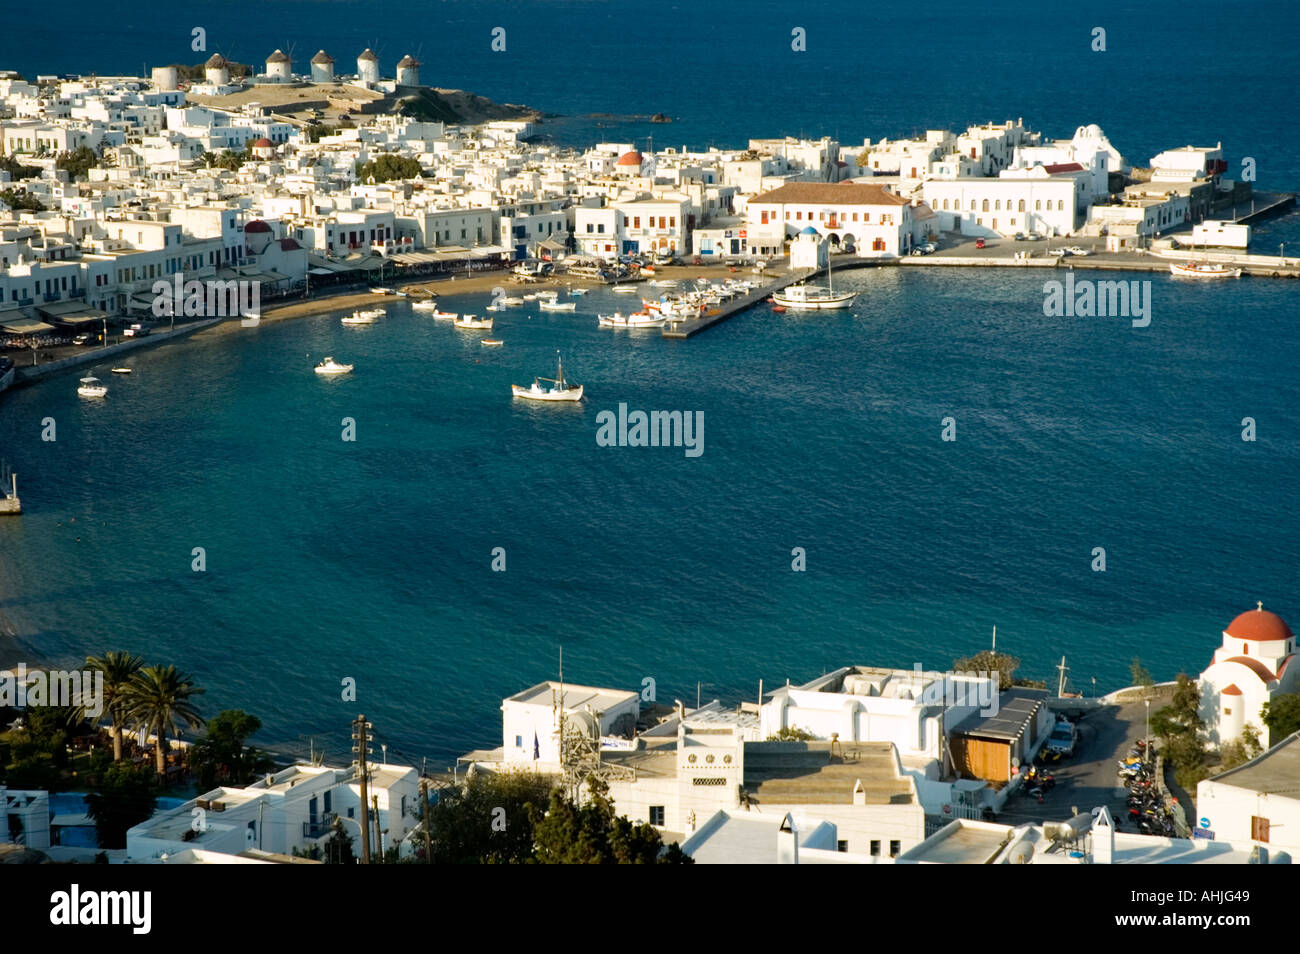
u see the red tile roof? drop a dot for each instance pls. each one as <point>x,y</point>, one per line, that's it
<point>1259,624</point>
<point>1255,666</point>
<point>829,193</point>
<point>1231,690</point>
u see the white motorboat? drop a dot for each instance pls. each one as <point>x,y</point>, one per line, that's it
<point>578,291</point>
<point>425,304</point>
<point>812,298</point>
<point>372,312</point>
<point>641,319</point>
<point>624,289</point>
<point>121,370</point>
<point>91,388</point>
<point>551,305</point>
<point>664,283</point>
<point>491,342</point>
<point>1202,270</point>
<point>380,290</point>
<point>549,293</point>
<point>444,315</point>
<point>330,366</point>
<point>512,301</point>
<point>560,390</point>
<point>358,318</point>
<point>473,323</point>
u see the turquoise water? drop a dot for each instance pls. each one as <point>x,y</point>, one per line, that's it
<point>371,559</point>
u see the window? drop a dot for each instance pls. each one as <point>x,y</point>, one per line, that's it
<point>1022,206</point>
<point>1227,711</point>
<point>1060,205</point>
<point>1258,828</point>
<point>519,741</point>
<point>1038,205</point>
<point>997,205</point>
<point>657,816</point>
<point>875,849</point>
<point>842,846</point>
<point>763,218</point>
<point>329,798</point>
<point>895,849</point>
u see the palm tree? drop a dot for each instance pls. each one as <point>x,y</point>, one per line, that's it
<point>118,670</point>
<point>158,697</point>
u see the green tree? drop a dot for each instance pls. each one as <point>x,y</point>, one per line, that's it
<point>1241,750</point>
<point>1139,674</point>
<point>21,200</point>
<point>1004,664</point>
<point>338,847</point>
<point>18,170</point>
<point>220,757</point>
<point>488,819</point>
<point>158,700</point>
<point>1282,716</point>
<point>1179,727</point>
<point>388,167</point>
<point>591,833</point>
<point>118,669</point>
<point>78,162</point>
<point>122,796</point>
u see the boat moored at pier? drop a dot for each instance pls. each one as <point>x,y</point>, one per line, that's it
<point>1202,270</point>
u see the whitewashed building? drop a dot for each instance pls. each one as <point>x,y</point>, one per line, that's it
<point>873,221</point>
<point>1255,663</point>
<point>1257,802</point>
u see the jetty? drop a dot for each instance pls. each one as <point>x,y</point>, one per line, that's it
<point>9,502</point>
<point>727,309</point>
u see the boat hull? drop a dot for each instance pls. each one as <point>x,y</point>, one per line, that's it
<point>1191,271</point>
<point>531,394</point>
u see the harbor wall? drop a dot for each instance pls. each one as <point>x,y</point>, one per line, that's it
<point>32,374</point>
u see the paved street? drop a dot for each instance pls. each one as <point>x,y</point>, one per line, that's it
<point>1088,778</point>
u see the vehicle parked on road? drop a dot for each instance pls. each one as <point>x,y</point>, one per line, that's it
<point>1021,237</point>
<point>81,339</point>
<point>1063,738</point>
<point>1078,250</point>
<point>979,243</point>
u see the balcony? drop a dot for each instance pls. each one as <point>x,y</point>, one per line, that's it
<point>319,828</point>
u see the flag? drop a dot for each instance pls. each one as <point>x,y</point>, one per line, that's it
<point>537,748</point>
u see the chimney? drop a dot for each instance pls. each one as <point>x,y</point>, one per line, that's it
<point>787,842</point>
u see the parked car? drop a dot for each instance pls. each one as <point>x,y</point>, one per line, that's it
<point>81,339</point>
<point>979,243</point>
<point>1020,236</point>
<point>1077,250</point>
<point>917,251</point>
<point>1058,251</point>
<point>929,247</point>
<point>1035,236</point>
<point>1062,739</point>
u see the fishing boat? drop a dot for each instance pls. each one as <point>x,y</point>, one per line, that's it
<point>358,318</point>
<point>577,291</point>
<point>444,315</point>
<point>641,319</point>
<point>91,388</point>
<point>812,298</point>
<point>557,305</point>
<point>491,342</point>
<point>624,289</point>
<point>330,366</point>
<point>425,304</point>
<point>512,301</point>
<point>561,390</point>
<point>1202,270</point>
<point>473,323</point>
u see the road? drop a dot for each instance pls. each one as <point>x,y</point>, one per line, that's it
<point>1088,778</point>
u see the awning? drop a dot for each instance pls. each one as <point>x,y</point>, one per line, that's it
<point>25,326</point>
<point>74,314</point>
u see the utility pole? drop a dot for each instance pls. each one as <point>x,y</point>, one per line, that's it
<point>424,811</point>
<point>359,729</point>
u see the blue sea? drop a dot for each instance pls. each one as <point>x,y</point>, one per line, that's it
<point>371,559</point>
